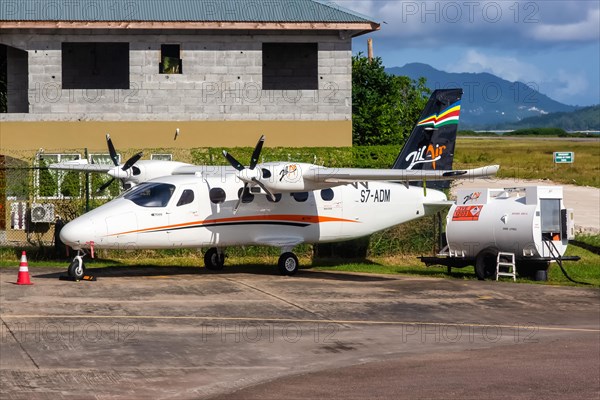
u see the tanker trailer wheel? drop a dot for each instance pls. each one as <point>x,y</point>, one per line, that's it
<point>485,264</point>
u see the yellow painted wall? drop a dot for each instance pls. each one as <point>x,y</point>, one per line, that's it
<point>17,137</point>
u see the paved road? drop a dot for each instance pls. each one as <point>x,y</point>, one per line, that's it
<point>536,138</point>
<point>184,333</point>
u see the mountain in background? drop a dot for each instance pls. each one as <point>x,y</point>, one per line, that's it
<point>584,119</point>
<point>488,101</point>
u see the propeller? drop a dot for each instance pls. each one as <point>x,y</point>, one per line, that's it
<point>121,172</point>
<point>249,175</point>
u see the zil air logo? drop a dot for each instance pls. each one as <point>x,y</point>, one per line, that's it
<point>426,154</point>
<point>471,197</point>
<point>289,171</point>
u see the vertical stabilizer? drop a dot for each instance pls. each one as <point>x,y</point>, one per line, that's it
<point>430,145</point>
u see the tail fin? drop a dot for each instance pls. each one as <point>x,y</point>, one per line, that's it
<point>430,146</point>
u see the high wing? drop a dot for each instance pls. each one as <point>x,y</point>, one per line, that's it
<point>130,173</point>
<point>81,166</point>
<point>350,175</point>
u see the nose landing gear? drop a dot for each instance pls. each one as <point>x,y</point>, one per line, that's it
<point>76,269</point>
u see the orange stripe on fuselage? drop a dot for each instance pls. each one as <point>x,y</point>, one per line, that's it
<point>312,219</point>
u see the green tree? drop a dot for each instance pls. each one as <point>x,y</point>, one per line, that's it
<point>385,107</point>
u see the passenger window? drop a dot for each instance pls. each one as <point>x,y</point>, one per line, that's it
<point>265,173</point>
<point>277,198</point>
<point>247,197</point>
<point>300,196</point>
<point>327,194</point>
<point>186,197</point>
<point>217,195</point>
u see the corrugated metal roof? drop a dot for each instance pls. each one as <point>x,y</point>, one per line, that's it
<point>179,11</point>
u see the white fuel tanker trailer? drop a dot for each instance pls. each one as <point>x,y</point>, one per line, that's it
<point>531,222</point>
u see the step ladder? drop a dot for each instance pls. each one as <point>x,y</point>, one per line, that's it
<point>512,269</point>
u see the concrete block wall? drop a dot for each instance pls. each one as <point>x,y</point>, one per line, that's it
<point>221,79</point>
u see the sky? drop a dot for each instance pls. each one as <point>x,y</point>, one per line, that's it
<point>551,45</point>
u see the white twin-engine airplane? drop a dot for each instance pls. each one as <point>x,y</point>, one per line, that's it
<point>279,204</point>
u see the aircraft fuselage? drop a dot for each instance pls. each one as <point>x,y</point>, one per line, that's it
<point>190,211</point>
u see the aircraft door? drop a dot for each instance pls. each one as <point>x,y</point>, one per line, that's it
<point>182,213</point>
<point>330,205</point>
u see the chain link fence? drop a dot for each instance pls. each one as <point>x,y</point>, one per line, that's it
<point>35,201</point>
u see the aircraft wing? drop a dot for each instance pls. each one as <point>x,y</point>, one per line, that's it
<point>349,175</point>
<point>203,169</point>
<point>81,165</point>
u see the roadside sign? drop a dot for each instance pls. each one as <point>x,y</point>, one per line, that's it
<point>562,157</point>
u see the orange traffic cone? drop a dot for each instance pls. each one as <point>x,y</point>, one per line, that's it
<point>23,278</point>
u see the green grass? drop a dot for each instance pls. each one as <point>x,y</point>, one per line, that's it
<point>263,260</point>
<point>524,159</point>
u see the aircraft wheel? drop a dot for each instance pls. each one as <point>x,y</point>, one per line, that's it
<point>288,264</point>
<point>485,264</point>
<point>76,268</point>
<point>214,260</point>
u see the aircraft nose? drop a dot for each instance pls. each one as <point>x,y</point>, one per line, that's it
<point>82,231</point>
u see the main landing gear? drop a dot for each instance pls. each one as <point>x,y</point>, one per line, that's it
<point>214,260</point>
<point>288,263</point>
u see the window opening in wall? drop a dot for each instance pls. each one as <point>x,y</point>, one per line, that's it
<point>97,180</point>
<point>14,80</point>
<point>170,59</point>
<point>53,184</point>
<point>162,157</point>
<point>290,66</point>
<point>95,65</point>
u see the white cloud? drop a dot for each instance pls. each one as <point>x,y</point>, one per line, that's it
<point>501,24</point>
<point>569,85</point>
<point>586,30</point>
<point>564,86</point>
<point>506,67</point>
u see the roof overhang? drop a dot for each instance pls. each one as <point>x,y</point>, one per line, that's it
<point>358,27</point>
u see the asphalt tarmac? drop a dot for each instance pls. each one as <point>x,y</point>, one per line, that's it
<point>185,333</point>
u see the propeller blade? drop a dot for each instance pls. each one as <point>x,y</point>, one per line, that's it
<point>237,205</point>
<point>234,163</point>
<point>129,163</point>
<point>263,187</point>
<point>256,152</point>
<point>104,186</point>
<point>111,150</point>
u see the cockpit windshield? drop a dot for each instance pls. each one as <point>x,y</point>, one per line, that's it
<point>151,194</point>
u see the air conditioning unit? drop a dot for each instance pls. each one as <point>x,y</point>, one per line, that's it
<point>42,213</point>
